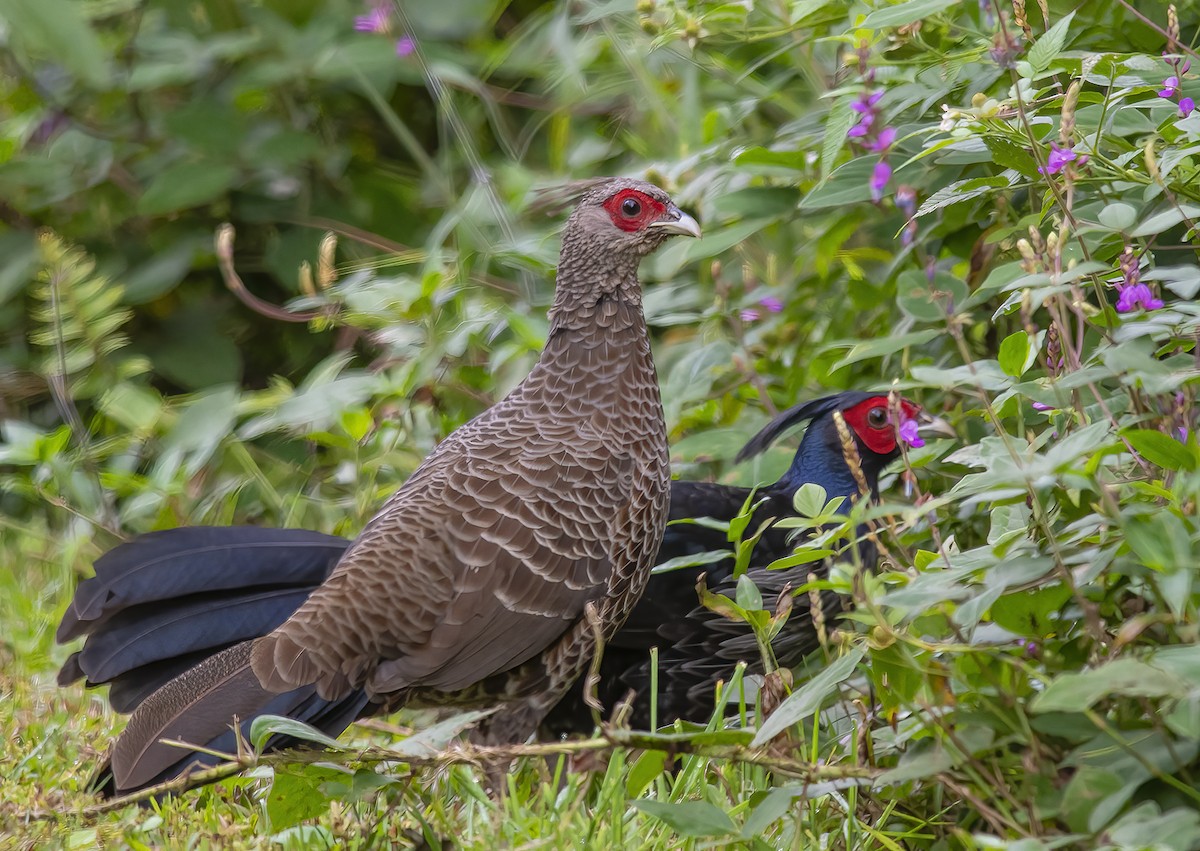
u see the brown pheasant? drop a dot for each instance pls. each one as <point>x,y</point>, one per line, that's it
<point>477,581</point>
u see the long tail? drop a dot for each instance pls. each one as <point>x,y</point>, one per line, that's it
<point>166,601</point>
<point>199,708</point>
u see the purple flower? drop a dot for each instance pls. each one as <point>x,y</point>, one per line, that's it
<point>879,179</point>
<point>1042,406</point>
<point>1058,159</point>
<point>910,435</point>
<point>906,203</point>
<point>1186,105</point>
<point>1134,293</point>
<point>375,21</point>
<point>1183,434</point>
<point>866,102</point>
<point>405,46</point>
<point>1170,87</point>
<point>862,128</point>
<point>1137,295</point>
<point>750,315</point>
<point>884,141</point>
<point>771,303</point>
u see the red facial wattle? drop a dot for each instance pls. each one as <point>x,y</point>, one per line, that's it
<point>649,210</point>
<point>878,433</point>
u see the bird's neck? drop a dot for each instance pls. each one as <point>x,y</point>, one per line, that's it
<point>589,283</point>
<point>820,460</point>
<point>596,370</point>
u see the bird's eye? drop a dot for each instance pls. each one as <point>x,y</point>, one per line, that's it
<point>630,207</point>
<point>877,417</point>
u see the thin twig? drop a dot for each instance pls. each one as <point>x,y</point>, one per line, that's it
<point>224,249</point>
<point>478,755</point>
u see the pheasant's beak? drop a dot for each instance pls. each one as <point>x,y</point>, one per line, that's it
<point>676,221</point>
<point>930,426</point>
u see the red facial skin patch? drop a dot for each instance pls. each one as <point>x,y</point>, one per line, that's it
<point>872,422</point>
<point>648,210</point>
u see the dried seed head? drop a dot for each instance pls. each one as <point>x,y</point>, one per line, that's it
<point>1020,19</point>
<point>1053,350</point>
<point>1151,160</point>
<point>325,256</point>
<point>1029,257</point>
<point>1130,267</point>
<point>817,611</point>
<point>850,452</point>
<point>306,279</point>
<point>1035,237</point>
<point>1066,130</point>
<point>1172,29</point>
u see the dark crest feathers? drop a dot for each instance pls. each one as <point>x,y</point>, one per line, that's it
<point>805,411</point>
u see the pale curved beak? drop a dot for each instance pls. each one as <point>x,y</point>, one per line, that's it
<point>676,221</point>
<point>931,426</point>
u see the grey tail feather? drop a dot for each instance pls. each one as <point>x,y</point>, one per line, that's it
<point>196,708</point>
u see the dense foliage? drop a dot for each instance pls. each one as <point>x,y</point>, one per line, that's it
<point>990,206</point>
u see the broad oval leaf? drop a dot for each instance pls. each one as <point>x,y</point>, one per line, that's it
<point>1160,449</point>
<point>690,818</point>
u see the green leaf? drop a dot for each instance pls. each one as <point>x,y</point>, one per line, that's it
<point>132,405</point>
<point>929,301</point>
<point>1118,216</point>
<point>837,125</point>
<point>648,767</point>
<point>1011,155</point>
<point>793,160</point>
<point>917,765</point>
<point>962,190</point>
<point>849,184</point>
<point>810,499</point>
<point>432,740</point>
<point>1047,48</point>
<point>1160,541</point>
<point>680,562</point>
<point>265,726</point>
<point>1159,222</point>
<point>748,596</point>
<point>887,345</point>
<point>1087,789</point>
<point>904,13</point>
<point>1014,350</point>
<point>58,29</point>
<point>185,185</point>
<point>1075,692</point>
<point>1160,449</point>
<point>1028,612</point>
<point>808,698</point>
<point>296,794</point>
<point>690,818</point>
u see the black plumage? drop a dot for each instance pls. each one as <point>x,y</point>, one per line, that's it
<point>698,647</point>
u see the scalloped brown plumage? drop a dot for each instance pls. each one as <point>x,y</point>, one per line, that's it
<point>469,587</point>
